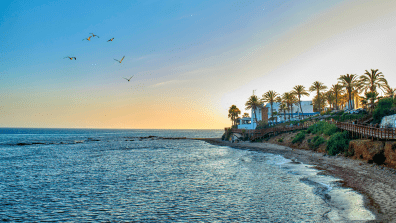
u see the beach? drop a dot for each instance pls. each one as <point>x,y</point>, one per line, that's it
<point>376,183</point>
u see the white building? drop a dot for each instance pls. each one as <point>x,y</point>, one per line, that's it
<point>306,106</point>
<point>250,123</point>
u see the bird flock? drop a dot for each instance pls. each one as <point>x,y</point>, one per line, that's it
<point>110,40</point>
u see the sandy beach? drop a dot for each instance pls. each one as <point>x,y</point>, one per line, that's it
<point>376,183</point>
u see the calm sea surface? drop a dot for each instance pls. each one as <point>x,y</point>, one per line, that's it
<point>85,175</point>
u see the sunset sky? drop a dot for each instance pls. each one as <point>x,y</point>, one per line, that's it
<point>190,60</point>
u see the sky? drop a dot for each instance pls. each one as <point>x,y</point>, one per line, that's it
<point>190,60</point>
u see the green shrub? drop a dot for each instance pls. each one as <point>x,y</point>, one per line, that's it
<point>348,117</point>
<point>383,109</point>
<point>227,134</point>
<point>316,142</point>
<point>280,139</point>
<point>330,129</point>
<point>299,137</point>
<point>322,127</point>
<point>338,143</point>
<point>262,125</point>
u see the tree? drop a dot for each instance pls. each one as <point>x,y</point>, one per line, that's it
<point>349,82</point>
<point>330,98</point>
<point>253,103</point>
<point>270,97</point>
<point>371,98</point>
<point>299,91</point>
<point>283,108</point>
<point>343,100</point>
<point>233,113</point>
<point>245,115</point>
<point>370,81</point>
<point>319,101</point>
<point>384,108</point>
<point>337,91</point>
<point>289,99</point>
<point>318,87</point>
<point>390,92</point>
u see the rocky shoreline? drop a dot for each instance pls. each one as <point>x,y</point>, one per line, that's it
<point>377,183</point>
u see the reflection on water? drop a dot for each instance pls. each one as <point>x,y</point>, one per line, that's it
<point>114,179</point>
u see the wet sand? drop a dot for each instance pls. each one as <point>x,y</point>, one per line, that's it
<point>376,183</point>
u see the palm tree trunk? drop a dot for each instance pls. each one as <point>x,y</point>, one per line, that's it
<point>318,100</point>
<point>299,101</point>
<point>349,102</point>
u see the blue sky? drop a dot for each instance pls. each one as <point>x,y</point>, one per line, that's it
<point>193,59</point>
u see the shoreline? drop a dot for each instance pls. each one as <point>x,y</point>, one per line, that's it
<point>376,183</point>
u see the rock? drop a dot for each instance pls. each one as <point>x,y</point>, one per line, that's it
<point>372,151</point>
<point>388,121</point>
<point>390,153</point>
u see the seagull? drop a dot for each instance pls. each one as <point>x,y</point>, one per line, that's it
<point>128,79</point>
<point>89,38</point>
<point>71,58</point>
<point>120,60</point>
<point>110,39</point>
<point>93,35</point>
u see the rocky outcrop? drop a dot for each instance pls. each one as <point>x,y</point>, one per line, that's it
<point>390,153</point>
<point>374,151</point>
<point>388,121</point>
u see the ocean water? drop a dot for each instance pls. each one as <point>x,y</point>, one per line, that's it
<point>85,175</point>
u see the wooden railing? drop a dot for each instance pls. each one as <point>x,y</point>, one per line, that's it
<point>368,131</point>
<point>357,130</point>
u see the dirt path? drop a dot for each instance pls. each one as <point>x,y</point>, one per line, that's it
<point>377,183</point>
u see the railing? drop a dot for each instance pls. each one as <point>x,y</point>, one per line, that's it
<point>368,131</point>
<point>357,130</point>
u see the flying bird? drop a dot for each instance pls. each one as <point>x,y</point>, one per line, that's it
<point>110,39</point>
<point>89,38</point>
<point>71,58</point>
<point>128,79</point>
<point>93,35</point>
<point>120,60</point>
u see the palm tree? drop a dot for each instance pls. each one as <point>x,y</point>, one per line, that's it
<point>371,97</point>
<point>299,91</point>
<point>318,86</point>
<point>270,97</point>
<point>390,92</point>
<point>343,100</point>
<point>233,113</point>
<point>322,101</point>
<point>369,81</point>
<point>245,115</point>
<point>253,103</point>
<point>337,91</point>
<point>283,108</point>
<point>329,98</point>
<point>290,99</point>
<point>349,82</point>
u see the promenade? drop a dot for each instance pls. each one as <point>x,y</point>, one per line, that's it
<point>362,131</point>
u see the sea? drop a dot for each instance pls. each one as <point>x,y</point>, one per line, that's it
<point>107,175</point>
